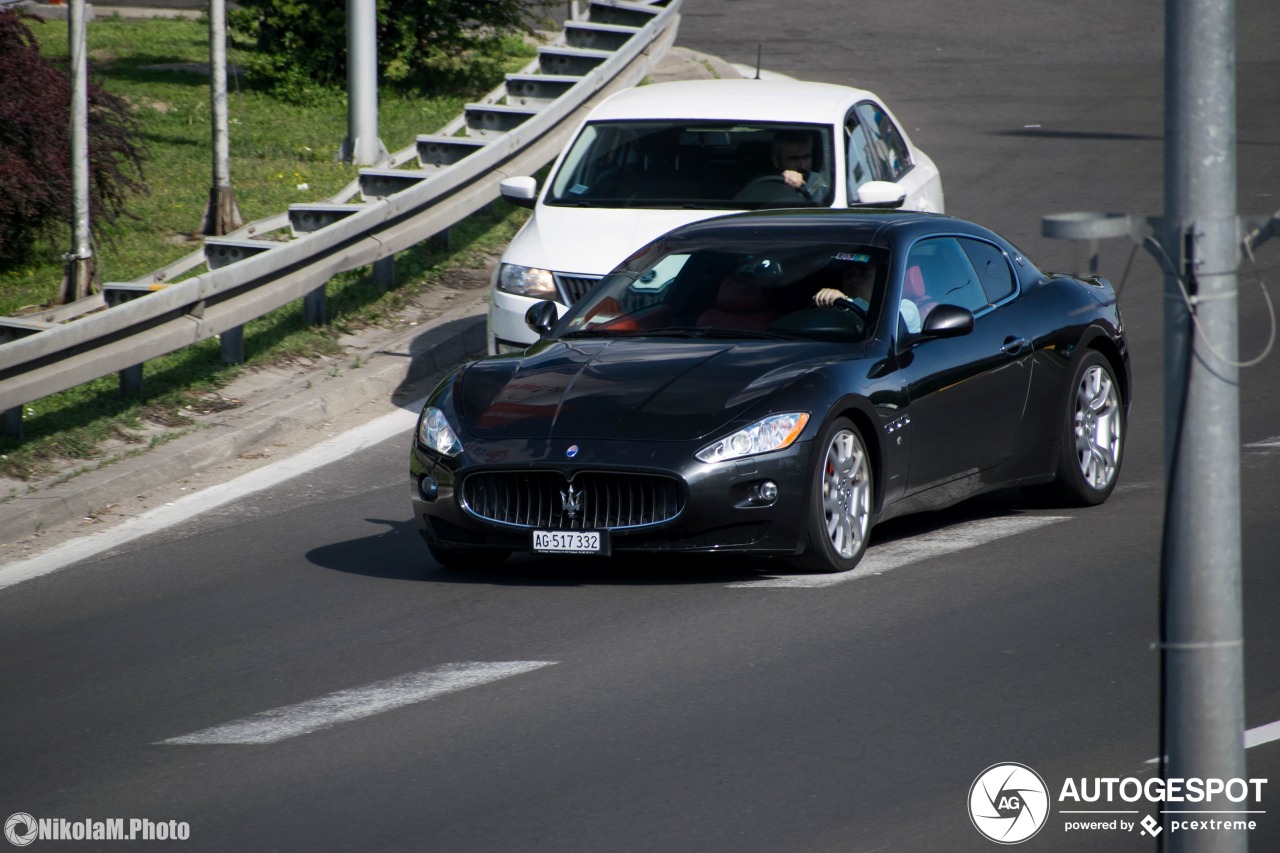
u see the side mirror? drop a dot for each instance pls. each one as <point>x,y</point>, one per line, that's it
<point>541,316</point>
<point>522,191</point>
<point>947,321</point>
<point>881,194</point>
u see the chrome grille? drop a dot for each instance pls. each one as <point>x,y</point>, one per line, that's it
<point>608,500</point>
<point>572,287</point>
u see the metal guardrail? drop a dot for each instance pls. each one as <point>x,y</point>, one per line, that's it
<point>516,129</point>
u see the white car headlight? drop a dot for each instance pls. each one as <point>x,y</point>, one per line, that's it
<point>435,433</point>
<point>772,433</point>
<point>526,281</point>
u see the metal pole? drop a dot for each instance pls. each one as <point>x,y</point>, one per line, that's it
<point>362,146</point>
<point>221,214</point>
<point>1202,625</point>
<point>78,272</point>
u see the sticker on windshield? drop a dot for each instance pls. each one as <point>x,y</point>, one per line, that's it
<point>853,256</point>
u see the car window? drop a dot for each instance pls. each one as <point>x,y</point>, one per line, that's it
<point>759,289</point>
<point>861,158</point>
<point>692,164</point>
<point>888,139</point>
<point>939,272</point>
<point>992,267</point>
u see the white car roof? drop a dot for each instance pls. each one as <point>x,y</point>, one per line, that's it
<point>756,100</point>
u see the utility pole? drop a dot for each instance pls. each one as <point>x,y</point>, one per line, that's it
<point>1198,244</point>
<point>1202,635</point>
<point>362,147</point>
<point>79,271</point>
<point>221,213</point>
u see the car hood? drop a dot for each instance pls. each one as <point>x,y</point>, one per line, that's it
<point>626,389</point>
<point>591,241</point>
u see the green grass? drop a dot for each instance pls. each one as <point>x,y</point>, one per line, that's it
<point>276,147</point>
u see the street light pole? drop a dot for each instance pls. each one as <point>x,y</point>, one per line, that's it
<point>221,213</point>
<point>78,271</point>
<point>362,146</point>
<point>1202,639</point>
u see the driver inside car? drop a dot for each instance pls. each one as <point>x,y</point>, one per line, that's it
<point>857,280</point>
<point>794,180</point>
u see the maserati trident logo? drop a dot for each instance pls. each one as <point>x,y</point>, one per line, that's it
<point>571,501</point>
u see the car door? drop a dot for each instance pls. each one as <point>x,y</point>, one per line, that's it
<point>967,394</point>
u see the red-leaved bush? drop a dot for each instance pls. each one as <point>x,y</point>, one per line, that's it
<point>35,145</point>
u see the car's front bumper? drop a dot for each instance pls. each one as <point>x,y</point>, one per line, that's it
<point>722,507</point>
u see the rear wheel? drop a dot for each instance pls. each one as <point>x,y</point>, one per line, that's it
<point>841,504</point>
<point>1093,435</point>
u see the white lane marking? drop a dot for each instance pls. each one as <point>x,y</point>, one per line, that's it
<point>356,703</point>
<point>1252,737</point>
<point>399,422</point>
<point>1261,735</point>
<point>885,558</point>
<point>1266,442</point>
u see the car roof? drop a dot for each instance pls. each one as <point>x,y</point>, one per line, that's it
<point>759,100</point>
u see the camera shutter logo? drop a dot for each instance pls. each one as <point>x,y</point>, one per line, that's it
<point>1008,803</point>
<point>21,829</point>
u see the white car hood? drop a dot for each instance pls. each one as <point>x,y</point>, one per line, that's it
<point>591,241</point>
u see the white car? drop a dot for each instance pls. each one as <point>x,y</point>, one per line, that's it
<point>655,157</point>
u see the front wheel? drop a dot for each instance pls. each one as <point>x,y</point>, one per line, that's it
<point>1093,434</point>
<point>840,505</point>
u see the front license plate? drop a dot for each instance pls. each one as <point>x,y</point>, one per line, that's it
<point>570,542</point>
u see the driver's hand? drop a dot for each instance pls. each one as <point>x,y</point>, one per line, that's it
<point>827,296</point>
<point>793,179</point>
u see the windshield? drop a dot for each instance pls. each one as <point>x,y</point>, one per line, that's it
<point>696,164</point>
<point>692,291</point>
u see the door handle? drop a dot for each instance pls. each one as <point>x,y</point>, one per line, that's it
<point>1013,346</point>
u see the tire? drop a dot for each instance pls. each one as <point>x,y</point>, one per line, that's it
<point>467,558</point>
<point>841,501</point>
<point>1092,435</point>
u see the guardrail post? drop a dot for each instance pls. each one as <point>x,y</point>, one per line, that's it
<point>384,272</point>
<point>231,345</point>
<point>11,422</point>
<point>131,381</point>
<point>315,307</point>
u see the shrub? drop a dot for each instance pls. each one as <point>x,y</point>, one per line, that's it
<point>35,146</point>
<point>301,45</point>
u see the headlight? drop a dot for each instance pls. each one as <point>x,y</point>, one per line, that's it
<point>526,281</point>
<point>434,433</point>
<point>772,433</point>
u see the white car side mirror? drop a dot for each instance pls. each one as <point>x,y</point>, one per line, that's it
<point>521,191</point>
<point>881,194</point>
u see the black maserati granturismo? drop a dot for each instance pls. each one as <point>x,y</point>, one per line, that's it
<point>776,383</point>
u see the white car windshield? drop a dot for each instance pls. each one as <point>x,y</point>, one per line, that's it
<point>696,165</point>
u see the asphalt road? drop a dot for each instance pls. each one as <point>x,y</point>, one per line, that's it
<point>696,705</point>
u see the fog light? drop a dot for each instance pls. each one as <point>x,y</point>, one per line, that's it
<point>768,491</point>
<point>428,488</point>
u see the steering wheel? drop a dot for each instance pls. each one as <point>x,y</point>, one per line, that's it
<point>767,188</point>
<point>850,306</point>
